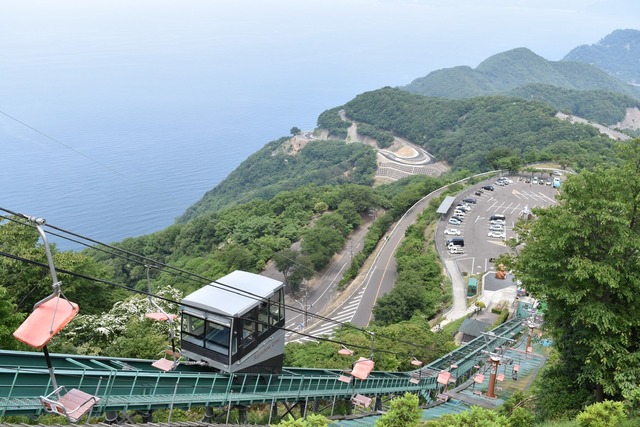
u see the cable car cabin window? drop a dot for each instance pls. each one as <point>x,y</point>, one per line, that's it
<point>193,330</point>
<point>217,338</point>
<point>249,327</point>
<point>248,333</point>
<point>263,317</point>
<point>275,307</point>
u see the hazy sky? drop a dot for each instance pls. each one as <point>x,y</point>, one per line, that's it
<point>174,94</point>
<point>355,34</point>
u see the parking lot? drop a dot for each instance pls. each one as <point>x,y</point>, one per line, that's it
<point>513,200</point>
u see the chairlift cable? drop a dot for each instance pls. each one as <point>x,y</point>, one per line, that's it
<point>168,300</point>
<point>143,260</point>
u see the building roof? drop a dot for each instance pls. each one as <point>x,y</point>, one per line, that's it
<point>473,327</point>
<point>231,295</point>
<point>445,205</point>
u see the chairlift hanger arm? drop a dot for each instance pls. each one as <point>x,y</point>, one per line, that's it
<point>39,222</point>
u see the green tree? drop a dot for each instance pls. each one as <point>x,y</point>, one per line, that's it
<point>295,131</point>
<point>294,266</point>
<point>10,321</point>
<point>27,283</point>
<point>581,257</point>
<point>403,412</point>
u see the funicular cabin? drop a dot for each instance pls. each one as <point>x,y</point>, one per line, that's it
<point>236,324</point>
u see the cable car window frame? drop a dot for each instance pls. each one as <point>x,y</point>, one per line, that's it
<point>217,345</point>
<point>189,331</point>
<point>276,312</point>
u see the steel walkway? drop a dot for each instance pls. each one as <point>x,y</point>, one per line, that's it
<point>133,384</point>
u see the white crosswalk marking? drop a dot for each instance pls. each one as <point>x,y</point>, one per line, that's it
<point>345,315</point>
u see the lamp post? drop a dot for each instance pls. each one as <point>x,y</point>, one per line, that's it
<point>304,306</point>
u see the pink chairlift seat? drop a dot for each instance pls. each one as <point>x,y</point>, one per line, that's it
<point>45,321</point>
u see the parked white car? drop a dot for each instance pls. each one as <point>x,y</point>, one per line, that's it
<point>496,234</point>
<point>454,221</point>
<point>496,227</point>
<point>497,222</point>
<point>453,250</point>
<point>452,232</point>
<point>458,213</point>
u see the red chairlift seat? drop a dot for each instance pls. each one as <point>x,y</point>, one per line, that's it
<point>479,379</point>
<point>161,316</point>
<point>360,400</point>
<point>165,364</point>
<point>49,316</point>
<point>443,377</point>
<point>516,368</point>
<point>345,352</point>
<point>73,404</point>
<point>46,320</point>
<point>415,379</point>
<point>500,377</point>
<point>362,368</point>
<point>345,378</point>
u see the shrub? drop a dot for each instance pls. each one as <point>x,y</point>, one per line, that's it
<point>602,414</point>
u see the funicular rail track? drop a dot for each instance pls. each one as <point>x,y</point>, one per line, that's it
<point>133,384</point>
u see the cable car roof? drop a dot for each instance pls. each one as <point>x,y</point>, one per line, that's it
<point>239,296</point>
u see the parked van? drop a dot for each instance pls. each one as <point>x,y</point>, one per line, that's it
<point>497,216</point>
<point>556,182</point>
<point>456,241</point>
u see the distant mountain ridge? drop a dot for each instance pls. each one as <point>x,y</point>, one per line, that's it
<point>509,70</point>
<point>618,54</point>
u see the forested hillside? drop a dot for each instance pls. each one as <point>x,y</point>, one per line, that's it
<point>618,54</point>
<point>273,169</point>
<point>481,133</point>
<point>596,105</point>
<point>581,89</point>
<point>518,67</point>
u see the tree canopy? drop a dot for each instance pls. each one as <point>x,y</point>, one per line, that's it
<point>581,257</point>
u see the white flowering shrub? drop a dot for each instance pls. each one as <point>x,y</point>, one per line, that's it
<point>97,332</point>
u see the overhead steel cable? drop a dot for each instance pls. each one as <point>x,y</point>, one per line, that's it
<point>171,301</point>
<point>68,147</point>
<point>144,261</point>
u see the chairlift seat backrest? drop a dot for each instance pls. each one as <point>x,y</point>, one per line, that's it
<point>443,377</point>
<point>362,368</point>
<point>46,320</point>
<point>479,379</point>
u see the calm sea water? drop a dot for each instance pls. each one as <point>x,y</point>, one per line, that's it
<point>119,144</point>
<point>131,111</point>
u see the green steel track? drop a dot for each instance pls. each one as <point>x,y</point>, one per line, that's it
<point>133,384</point>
